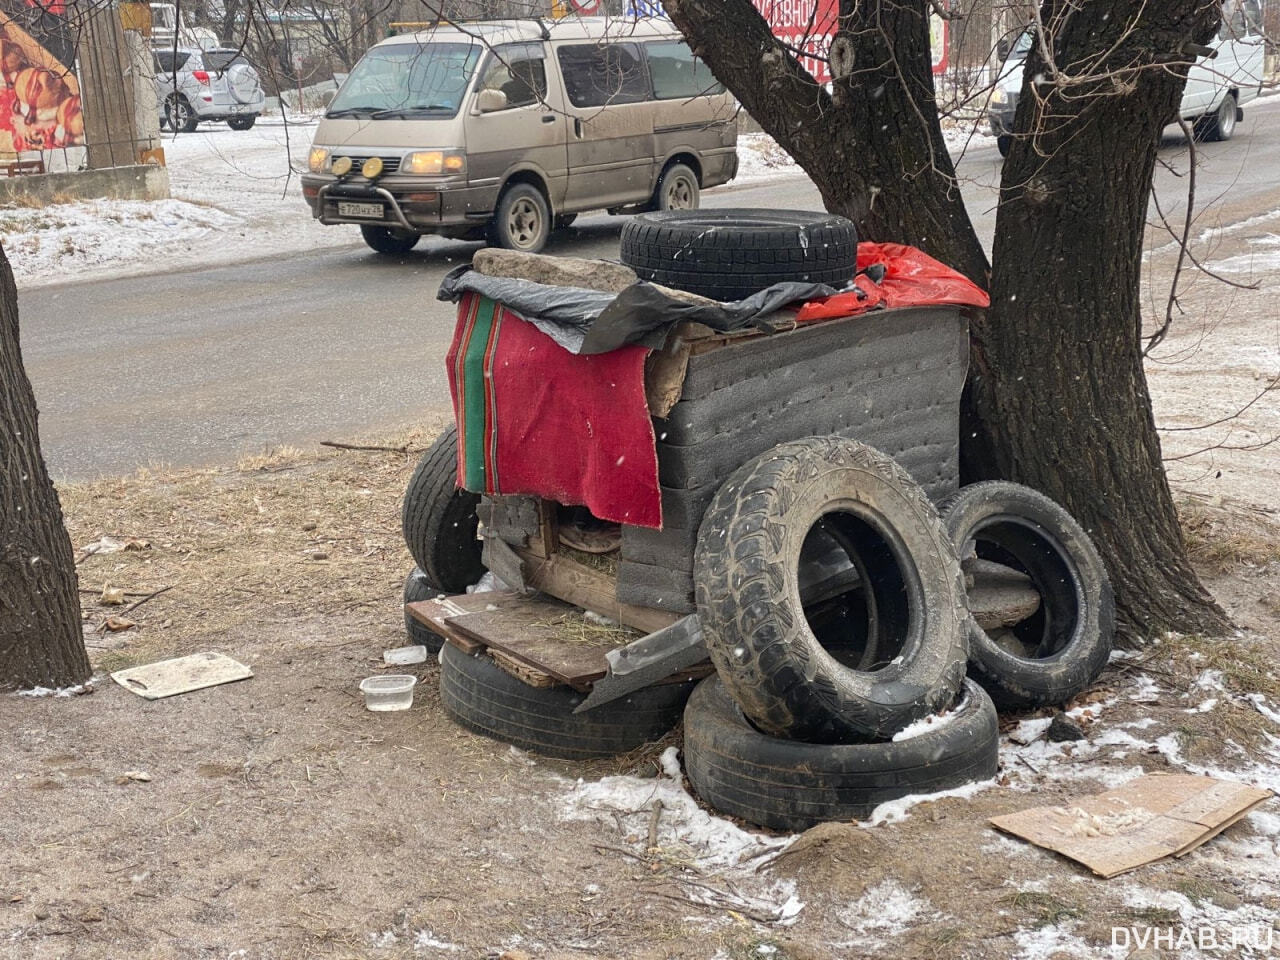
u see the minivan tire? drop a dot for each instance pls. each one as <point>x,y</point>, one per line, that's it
<point>729,254</point>
<point>389,240</point>
<point>522,221</point>
<point>1004,143</point>
<point>1068,640</point>
<point>242,123</point>
<point>677,189</point>
<point>1221,124</point>
<point>439,520</point>
<point>485,699</point>
<point>785,785</point>
<point>180,115</point>
<point>747,589</point>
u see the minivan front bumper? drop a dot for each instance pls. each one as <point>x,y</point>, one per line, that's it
<point>420,205</point>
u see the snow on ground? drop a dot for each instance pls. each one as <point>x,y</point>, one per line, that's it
<point>236,196</point>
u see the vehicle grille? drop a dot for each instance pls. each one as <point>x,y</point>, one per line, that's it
<point>389,164</point>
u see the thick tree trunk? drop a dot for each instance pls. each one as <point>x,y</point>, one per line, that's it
<point>1058,396</point>
<point>873,146</point>
<point>41,643</point>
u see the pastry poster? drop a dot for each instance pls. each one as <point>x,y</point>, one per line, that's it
<point>39,93</point>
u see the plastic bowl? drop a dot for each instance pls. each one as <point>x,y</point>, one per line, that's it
<point>390,691</point>
<point>403,656</point>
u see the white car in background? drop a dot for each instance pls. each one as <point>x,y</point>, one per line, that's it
<point>215,84</point>
<point>1217,87</point>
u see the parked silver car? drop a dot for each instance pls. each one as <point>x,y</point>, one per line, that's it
<point>218,84</point>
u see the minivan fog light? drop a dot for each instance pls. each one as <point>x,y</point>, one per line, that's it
<point>433,161</point>
<point>341,166</point>
<point>317,158</point>
<point>372,167</point>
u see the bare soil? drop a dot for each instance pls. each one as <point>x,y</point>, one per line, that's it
<point>282,820</point>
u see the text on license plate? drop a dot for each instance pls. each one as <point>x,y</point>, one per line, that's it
<point>372,211</point>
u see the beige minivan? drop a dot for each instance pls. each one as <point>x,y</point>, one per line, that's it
<point>505,130</point>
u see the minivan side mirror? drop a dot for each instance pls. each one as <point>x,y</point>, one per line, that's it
<point>1003,46</point>
<point>490,101</point>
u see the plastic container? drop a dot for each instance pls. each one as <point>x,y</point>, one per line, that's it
<point>404,656</point>
<point>390,691</point>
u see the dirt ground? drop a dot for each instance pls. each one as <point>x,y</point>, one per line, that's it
<point>279,819</point>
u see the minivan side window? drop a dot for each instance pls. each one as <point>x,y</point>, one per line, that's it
<point>518,70</point>
<point>676,73</point>
<point>598,74</point>
<point>1234,26</point>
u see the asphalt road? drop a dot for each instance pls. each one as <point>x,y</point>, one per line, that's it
<point>202,366</point>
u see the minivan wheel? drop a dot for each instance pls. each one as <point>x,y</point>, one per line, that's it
<point>677,189</point>
<point>180,115</point>
<point>390,240</point>
<point>522,220</point>
<point>1003,143</point>
<point>1221,124</point>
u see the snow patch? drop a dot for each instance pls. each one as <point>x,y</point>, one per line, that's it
<point>886,910</point>
<point>932,722</point>
<point>894,811</point>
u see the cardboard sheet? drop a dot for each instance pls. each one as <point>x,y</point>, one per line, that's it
<point>1146,820</point>
<point>167,678</point>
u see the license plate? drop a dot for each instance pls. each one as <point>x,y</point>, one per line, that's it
<point>368,211</point>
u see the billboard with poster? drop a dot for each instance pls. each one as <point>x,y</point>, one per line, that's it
<point>39,92</point>
<point>807,26</point>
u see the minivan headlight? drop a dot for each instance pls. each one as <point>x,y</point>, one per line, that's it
<point>998,96</point>
<point>317,159</point>
<point>433,161</point>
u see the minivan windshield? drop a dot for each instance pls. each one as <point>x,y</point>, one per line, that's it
<point>407,80</point>
<point>1021,46</point>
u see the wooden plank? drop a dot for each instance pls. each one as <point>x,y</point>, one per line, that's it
<point>522,671</point>
<point>547,635</point>
<point>999,596</point>
<point>585,587</point>
<point>434,614</point>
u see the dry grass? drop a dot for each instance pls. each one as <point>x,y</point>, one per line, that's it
<point>575,627</point>
<point>1223,536</point>
<point>280,536</point>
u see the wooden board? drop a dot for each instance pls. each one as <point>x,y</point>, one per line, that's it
<point>168,678</point>
<point>433,614</point>
<point>1147,819</point>
<point>591,589</point>
<point>546,635</point>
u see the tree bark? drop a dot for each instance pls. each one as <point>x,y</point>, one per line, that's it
<point>41,643</point>
<point>1058,394</point>
<point>873,146</point>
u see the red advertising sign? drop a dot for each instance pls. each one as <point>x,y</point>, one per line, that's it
<point>807,26</point>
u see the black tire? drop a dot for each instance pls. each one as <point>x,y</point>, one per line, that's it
<point>730,254</point>
<point>564,221</point>
<point>1221,124</point>
<point>439,519</point>
<point>417,588</point>
<point>1069,638</point>
<point>762,637</point>
<point>179,114</point>
<point>487,700</point>
<point>242,123</point>
<point>785,785</point>
<point>522,221</point>
<point>677,189</point>
<point>1003,143</point>
<point>389,240</point>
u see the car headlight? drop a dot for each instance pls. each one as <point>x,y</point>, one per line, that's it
<point>317,159</point>
<point>998,96</point>
<point>433,161</point>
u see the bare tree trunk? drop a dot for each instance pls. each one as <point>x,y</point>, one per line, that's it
<point>1058,395</point>
<point>873,146</point>
<point>41,643</point>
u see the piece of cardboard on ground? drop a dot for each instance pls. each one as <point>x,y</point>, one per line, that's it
<point>167,678</point>
<point>1148,819</point>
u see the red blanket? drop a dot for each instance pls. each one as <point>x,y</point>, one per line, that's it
<point>911,279</point>
<point>536,419</point>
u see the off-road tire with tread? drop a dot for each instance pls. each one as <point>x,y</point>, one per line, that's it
<point>485,699</point>
<point>729,254</point>
<point>747,593</point>
<point>786,785</point>
<point>1073,631</point>
<point>439,519</point>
